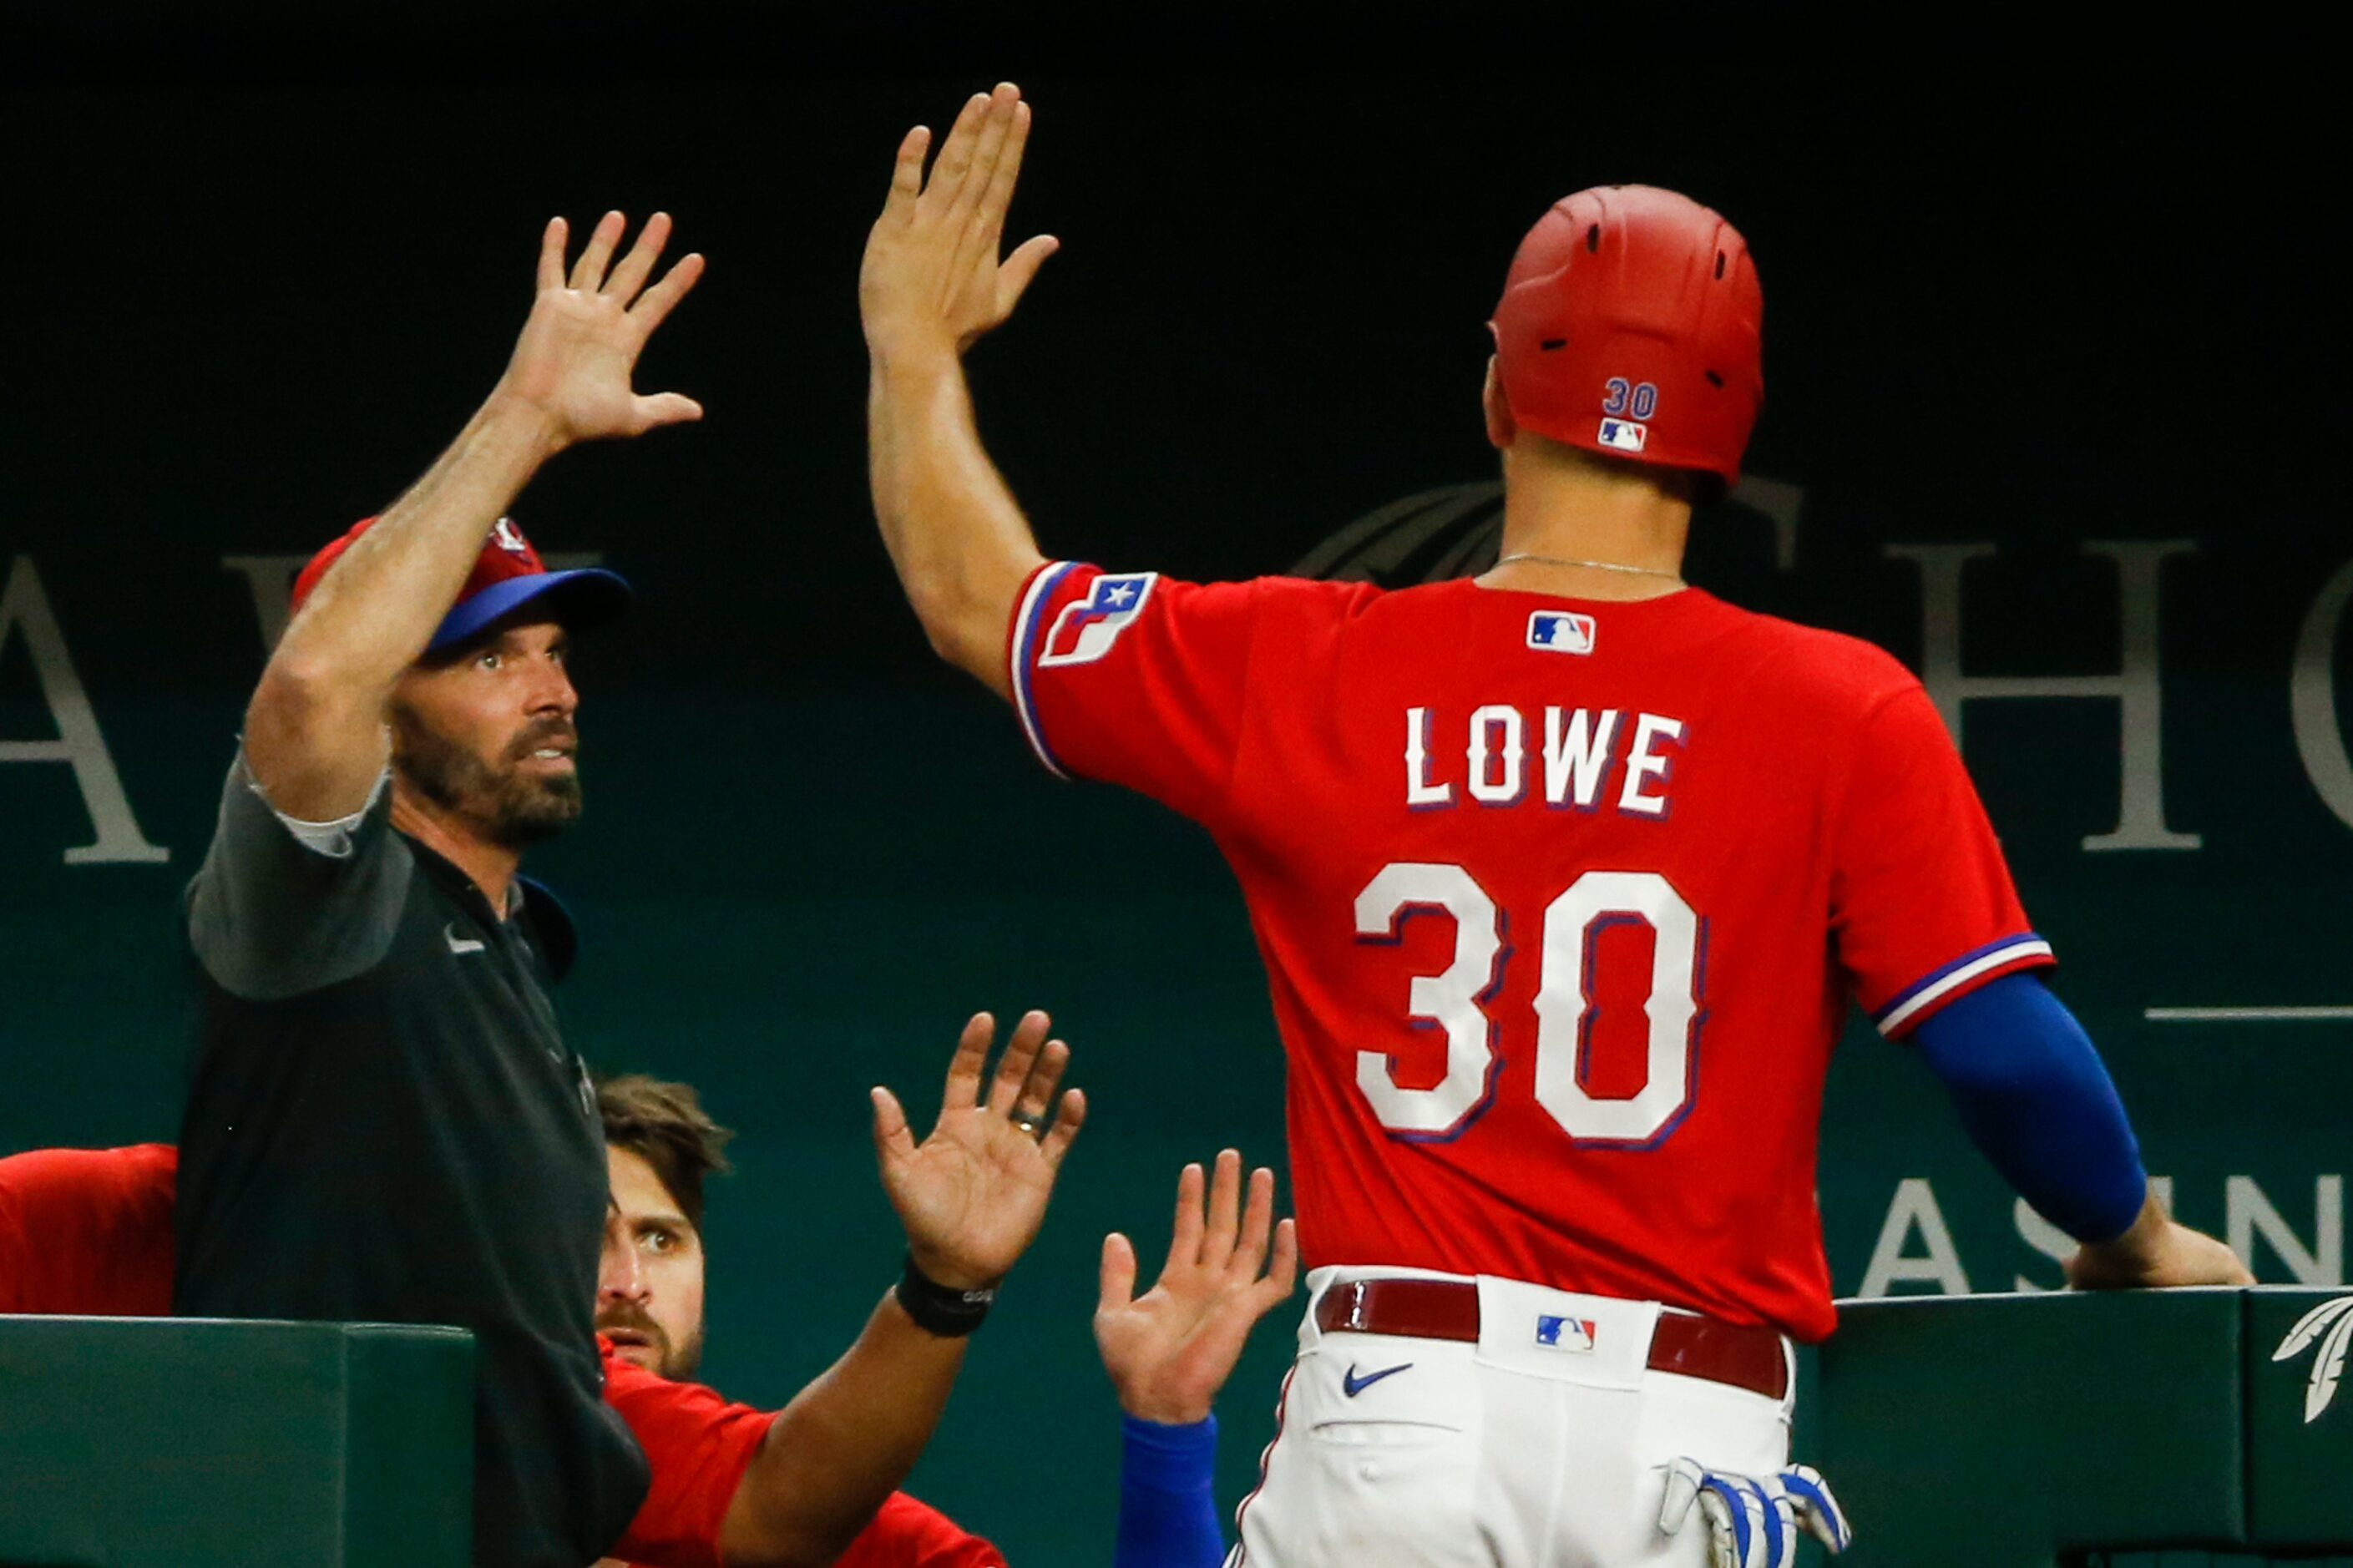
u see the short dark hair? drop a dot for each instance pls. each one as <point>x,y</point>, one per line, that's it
<point>664,1124</point>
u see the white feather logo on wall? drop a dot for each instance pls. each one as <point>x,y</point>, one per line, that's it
<point>2335,1319</point>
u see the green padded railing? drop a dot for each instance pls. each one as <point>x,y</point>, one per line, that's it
<point>2151,1429</point>
<point>167,1443</point>
<point>2208,1559</point>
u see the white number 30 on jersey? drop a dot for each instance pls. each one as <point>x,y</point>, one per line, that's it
<point>1455,1001</point>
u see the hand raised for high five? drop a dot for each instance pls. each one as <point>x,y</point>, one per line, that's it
<point>573,364</point>
<point>1170,1350</point>
<point>932,281</point>
<point>972,1194</point>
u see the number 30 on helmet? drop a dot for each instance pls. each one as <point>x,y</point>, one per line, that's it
<point>1630,325</point>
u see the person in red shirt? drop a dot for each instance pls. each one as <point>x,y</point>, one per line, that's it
<point>660,1145</point>
<point>89,1232</point>
<point>1565,878</point>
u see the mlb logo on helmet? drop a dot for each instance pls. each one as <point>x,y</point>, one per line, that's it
<point>1624,434</point>
<point>1561,631</point>
<point>1565,1333</point>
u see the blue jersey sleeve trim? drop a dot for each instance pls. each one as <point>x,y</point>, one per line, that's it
<point>1023,650</point>
<point>1951,979</point>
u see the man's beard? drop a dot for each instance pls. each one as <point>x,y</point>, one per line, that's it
<point>675,1362</point>
<point>512,808</point>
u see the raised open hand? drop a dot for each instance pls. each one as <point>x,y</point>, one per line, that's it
<point>574,362</point>
<point>972,1194</point>
<point>931,280</point>
<point>1170,1350</point>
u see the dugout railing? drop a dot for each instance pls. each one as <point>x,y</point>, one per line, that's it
<point>2151,1429</point>
<point>2174,1429</point>
<point>183,1443</point>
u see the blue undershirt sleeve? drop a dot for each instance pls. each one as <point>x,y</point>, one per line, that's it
<point>2038,1102</point>
<point>1167,1508</point>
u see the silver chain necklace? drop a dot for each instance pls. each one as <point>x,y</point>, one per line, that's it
<point>1597,565</point>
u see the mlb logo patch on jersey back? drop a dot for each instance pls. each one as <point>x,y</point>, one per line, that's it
<point>1624,434</point>
<point>1561,631</point>
<point>1087,627</point>
<point>1574,1335</point>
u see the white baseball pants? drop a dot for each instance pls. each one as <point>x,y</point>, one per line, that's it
<point>1541,1446</point>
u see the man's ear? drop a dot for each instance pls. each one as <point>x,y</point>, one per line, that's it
<point>1502,429</point>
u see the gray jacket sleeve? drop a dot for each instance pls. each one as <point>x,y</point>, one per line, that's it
<point>273,915</point>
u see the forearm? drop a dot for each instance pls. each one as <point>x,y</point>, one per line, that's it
<point>842,1446</point>
<point>955,532</point>
<point>2038,1102</point>
<point>372,615</point>
<point>1168,1505</point>
<point>312,728</point>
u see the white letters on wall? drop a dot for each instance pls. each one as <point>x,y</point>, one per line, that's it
<point>2249,1213</point>
<point>2135,688</point>
<point>2312,697</point>
<point>80,745</point>
<point>1914,1208</point>
<point>272,579</point>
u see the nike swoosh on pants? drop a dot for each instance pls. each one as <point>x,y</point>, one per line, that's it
<point>1353,1386</point>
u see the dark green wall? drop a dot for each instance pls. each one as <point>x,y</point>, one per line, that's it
<point>2022,314</point>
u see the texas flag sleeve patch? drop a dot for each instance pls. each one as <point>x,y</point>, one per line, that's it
<point>1085,628</point>
<point>1133,678</point>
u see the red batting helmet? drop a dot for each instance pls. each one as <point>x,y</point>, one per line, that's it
<point>1630,326</point>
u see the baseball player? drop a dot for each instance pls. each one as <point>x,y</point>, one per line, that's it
<point>1562,878</point>
<point>660,1144</point>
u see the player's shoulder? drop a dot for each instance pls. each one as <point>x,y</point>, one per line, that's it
<point>1311,596</point>
<point>127,1171</point>
<point>1814,666</point>
<point>1085,594</point>
<point>1273,610</point>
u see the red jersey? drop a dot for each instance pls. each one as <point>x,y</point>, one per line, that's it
<point>89,1232</point>
<point>1560,901</point>
<point>699,1445</point>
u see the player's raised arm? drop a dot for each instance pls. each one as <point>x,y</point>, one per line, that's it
<point>1170,1350</point>
<point>314,733</point>
<point>971,1197</point>
<point>932,284</point>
